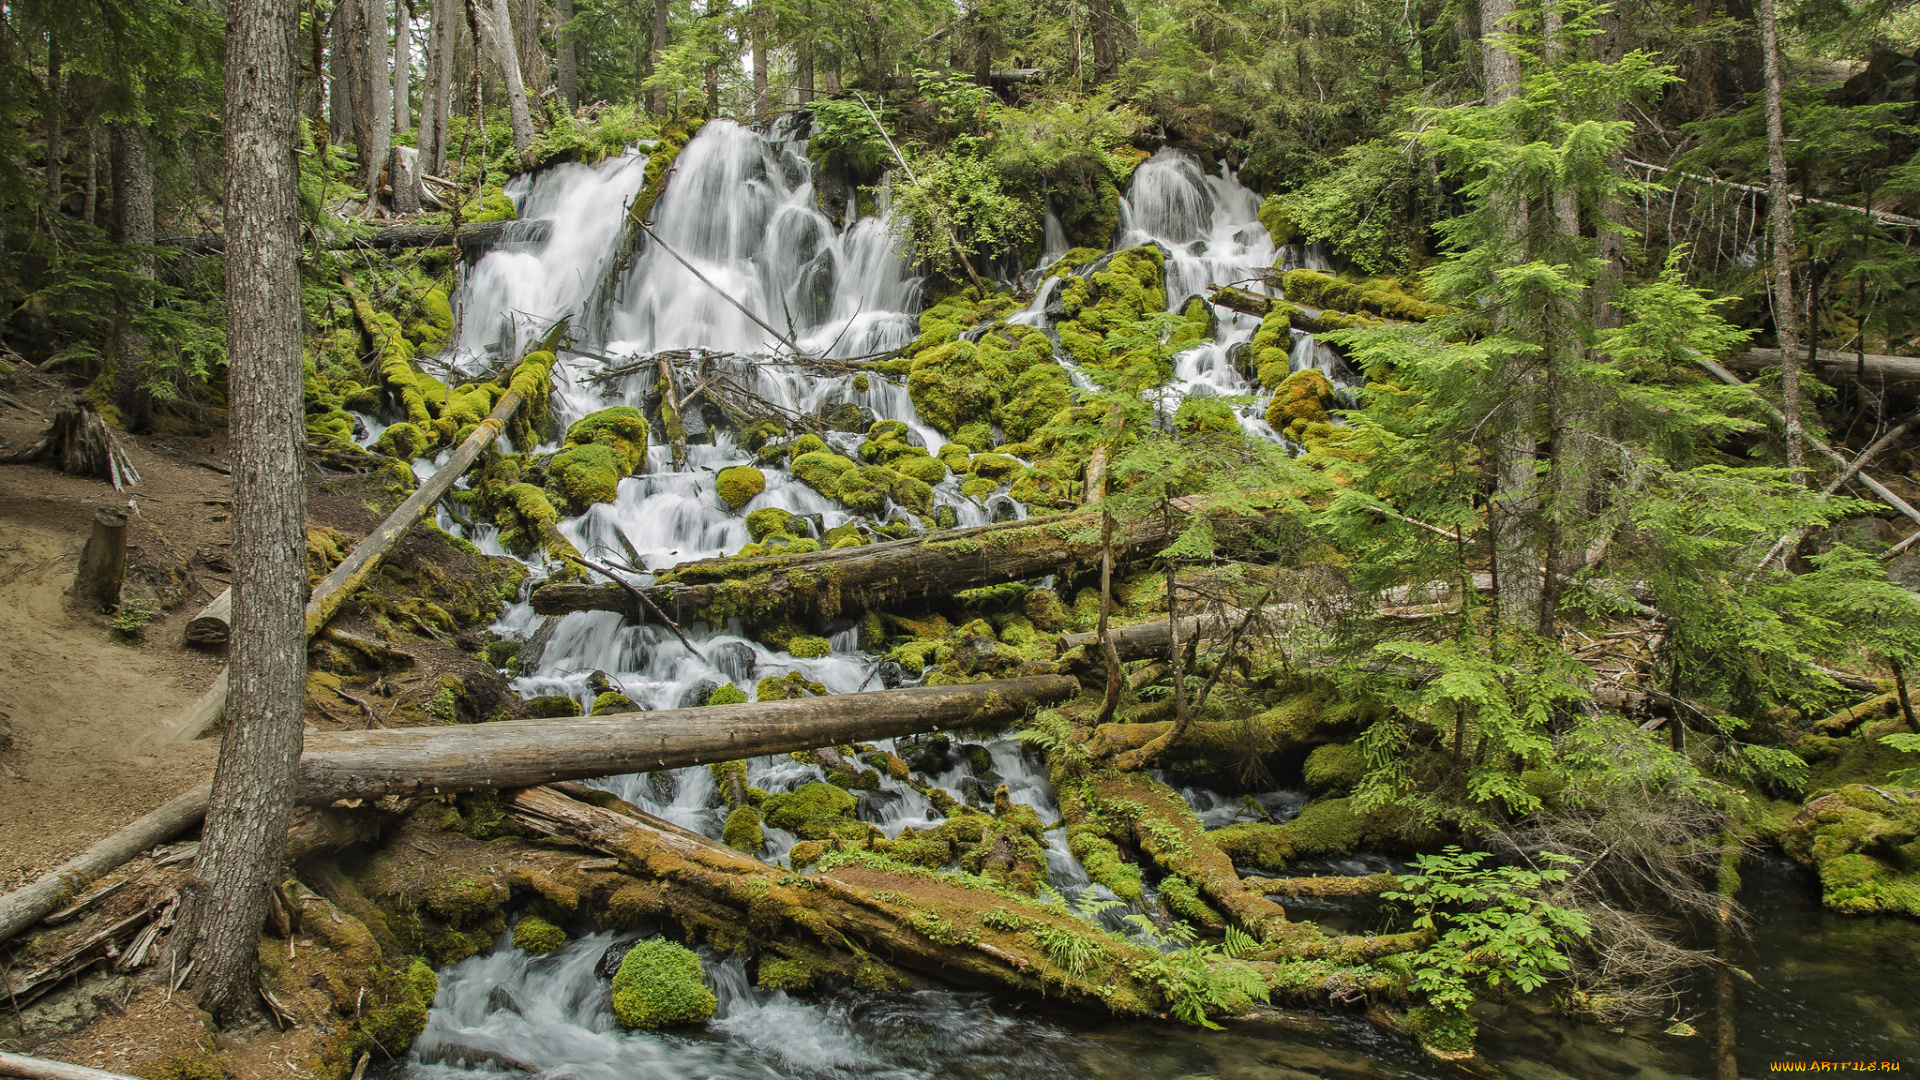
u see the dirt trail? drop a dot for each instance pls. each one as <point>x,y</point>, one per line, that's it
<point>73,695</point>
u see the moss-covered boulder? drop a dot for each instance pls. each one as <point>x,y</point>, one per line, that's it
<point>1302,399</point>
<point>727,695</point>
<point>584,475</point>
<point>812,811</point>
<point>661,984</point>
<point>622,428</point>
<point>767,521</point>
<point>739,484</point>
<point>742,830</point>
<point>536,935</point>
<point>1864,841</point>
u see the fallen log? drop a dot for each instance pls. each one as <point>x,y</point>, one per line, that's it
<point>877,575</point>
<point>474,240</point>
<point>1831,364</point>
<point>42,1069</point>
<point>520,753</point>
<point>24,907</point>
<point>213,625</point>
<point>1329,886</point>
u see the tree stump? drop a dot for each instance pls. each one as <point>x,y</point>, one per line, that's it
<point>103,562</point>
<point>403,173</point>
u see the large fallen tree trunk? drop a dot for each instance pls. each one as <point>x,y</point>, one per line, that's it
<point>1832,365</point>
<point>474,240</point>
<point>518,753</point>
<point>521,753</point>
<point>878,575</point>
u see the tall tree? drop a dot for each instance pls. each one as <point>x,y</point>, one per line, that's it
<point>566,74</point>
<point>132,168</point>
<point>340,68</point>
<point>56,96</point>
<point>252,802</point>
<point>494,22</point>
<point>526,44</point>
<point>1786,314</point>
<point>656,48</point>
<point>373,94</point>
<point>402,66</point>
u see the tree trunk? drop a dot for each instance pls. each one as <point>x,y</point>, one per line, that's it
<point>803,73</point>
<point>253,783</point>
<point>56,97</point>
<point>403,176</point>
<point>656,45</point>
<point>882,575</point>
<point>526,44</point>
<point>402,67</point>
<point>340,65</point>
<point>759,46</point>
<point>90,204</point>
<point>433,112</point>
<point>1874,369</point>
<point>1786,315</point>
<point>133,226</point>
<point>1609,245</point>
<point>41,1069</point>
<point>103,562</point>
<point>520,753</point>
<point>566,74</point>
<point>1106,49</point>
<point>497,26</point>
<point>213,625</point>
<point>374,85</point>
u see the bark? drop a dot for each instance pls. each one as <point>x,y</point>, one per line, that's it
<point>474,240</point>
<point>90,198</point>
<point>402,67</point>
<point>759,46</point>
<point>882,575</point>
<point>526,45</point>
<point>56,97</point>
<point>1786,315</point>
<point>403,175</point>
<point>374,86</point>
<point>1874,370</point>
<point>1610,247</point>
<point>566,68</point>
<point>496,25</point>
<point>103,562</point>
<point>340,65</point>
<point>803,73</point>
<point>434,99</point>
<point>251,800</point>
<point>1106,48</point>
<point>133,226</point>
<point>41,1069</point>
<point>520,753</point>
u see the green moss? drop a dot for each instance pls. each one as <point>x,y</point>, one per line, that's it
<point>767,521</point>
<point>536,935</point>
<point>584,475</point>
<point>1449,1031</point>
<point>552,707</point>
<point>781,973</point>
<point>1301,400</point>
<point>822,470</point>
<point>613,702</point>
<point>492,205</point>
<point>1314,289</point>
<point>742,830</point>
<point>787,687</point>
<point>1335,767</point>
<point>1183,900</point>
<point>622,428</point>
<point>1036,397</point>
<point>803,810</point>
<point>1103,862</point>
<point>727,695</point>
<point>1280,224</point>
<point>660,984</point>
<point>192,1065</point>
<point>1323,827</point>
<point>808,647</point>
<point>739,484</point>
<point>1865,843</point>
<point>927,470</point>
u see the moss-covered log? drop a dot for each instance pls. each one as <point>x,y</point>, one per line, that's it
<point>519,753</point>
<point>876,575</point>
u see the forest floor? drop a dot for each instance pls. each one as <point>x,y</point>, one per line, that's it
<point>75,695</point>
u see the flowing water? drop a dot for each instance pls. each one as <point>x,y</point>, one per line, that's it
<point>740,210</point>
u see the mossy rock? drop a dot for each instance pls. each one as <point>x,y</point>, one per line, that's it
<point>1865,844</point>
<point>1302,399</point>
<point>927,470</point>
<point>552,707</point>
<point>402,440</point>
<point>787,687</point>
<point>801,810</point>
<point>808,646</point>
<point>994,467</point>
<point>739,484</point>
<point>1280,224</point>
<point>767,521</point>
<point>621,428</point>
<point>822,470</point>
<point>1036,397</point>
<point>613,701</point>
<point>661,984</point>
<point>727,695</point>
<point>536,935</point>
<point>742,830</point>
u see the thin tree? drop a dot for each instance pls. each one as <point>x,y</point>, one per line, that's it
<point>1786,315</point>
<point>373,94</point>
<point>402,67</point>
<point>493,23</point>
<point>246,824</point>
<point>566,74</point>
<point>132,169</point>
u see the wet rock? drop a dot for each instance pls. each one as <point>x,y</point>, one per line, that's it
<point>734,659</point>
<point>609,961</point>
<point>847,416</point>
<point>979,655</point>
<point>698,693</point>
<point>1904,570</point>
<point>501,999</point>
<point>890,674</point>
<point>925,754</point>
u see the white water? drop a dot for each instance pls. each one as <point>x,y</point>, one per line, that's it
<point>740,209</point>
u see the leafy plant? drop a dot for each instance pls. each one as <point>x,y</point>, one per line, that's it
<point>130,619</point>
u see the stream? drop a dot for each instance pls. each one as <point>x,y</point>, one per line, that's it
<point>740,208</point>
